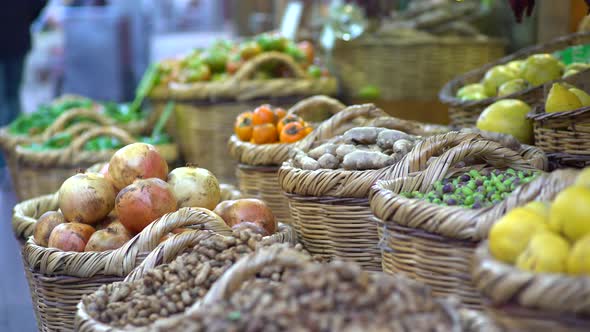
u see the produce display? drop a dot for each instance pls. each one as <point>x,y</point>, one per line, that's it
<point>338,296</point>
<point>172,288</point>
<point>563,97</point>
<point>548,237</point>
<point>518,75</point>
<point>224,58</point>
<point>508,116</point>
<point>475,189</point>
<point>266,125</point>
<point>100,143</point>
<point>359,148</point>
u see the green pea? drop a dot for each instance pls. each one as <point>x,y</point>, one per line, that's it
<point>469,200</point>
<point>474,173</point>
<point>472,185</point>
<point>436,201</point>
<point>496,197</point>
<point>501,187</point>
<point>467,191</point>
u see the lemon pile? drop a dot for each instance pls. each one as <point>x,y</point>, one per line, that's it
<point>518,75</point>
<point>546,237</point>
<point>563,97</point>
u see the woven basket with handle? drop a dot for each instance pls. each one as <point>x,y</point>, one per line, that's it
<point>434,244</point>
<point>330,208</point>
<point>466,113</point>
<point>205,112</point>
<point>259,163</point>
<point>42,172</point>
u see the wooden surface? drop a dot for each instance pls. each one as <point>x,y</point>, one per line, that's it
<point>424,111</point>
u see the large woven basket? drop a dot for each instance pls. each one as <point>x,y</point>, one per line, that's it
<point>409,69</point>
<point>205,112</point>
<point>434,244</point>
<point>42,172</point>
<point>259,164</point>
<point>466,113</point>
<point>330,208</point>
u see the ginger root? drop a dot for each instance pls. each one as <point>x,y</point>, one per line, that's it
<point>361,160</point>
<point>327,148</point>
<point>388,137</point>
<point>362,135</point>
<point>329,161</point>
<point>307,163</point>
<point>402,146</point>
<point>345,149</point>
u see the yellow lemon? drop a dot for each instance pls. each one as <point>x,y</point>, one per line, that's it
<point>578,261</point>
<point>495,77</point>
<point>470,89</point>
<point>569,73</point>
<point>582,96</point>
<point>508,116</point>
<point>541,68</point>
<point>540,208</point>
<point>511,234</point>
<point>570,213</point>
<point>583,178</point>
<point>516,66</point>
<point>546,252</point>
<point>512,86</point>
<point>560,99</point>
<point>578,66</point>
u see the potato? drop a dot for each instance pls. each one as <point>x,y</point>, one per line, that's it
<point>70,236</point>
<point>46,223</point>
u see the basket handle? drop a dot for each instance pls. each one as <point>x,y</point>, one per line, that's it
<point>62,121</point>
<point>313,103</point>
<point>120,134</point>
<point>78,128</point>
<point>247,267</point>
<point>253,65</point>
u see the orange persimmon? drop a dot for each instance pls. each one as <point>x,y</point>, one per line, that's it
<point>264,134</point>
<point>292,132</point>
<point>289,118</point>
<point>243,126</point>
<point>263,114</point>
<point>280,113</point>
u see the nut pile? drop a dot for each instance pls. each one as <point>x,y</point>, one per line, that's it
<point>172,288</point>
<point>359,148</point>
<point>338,296</point>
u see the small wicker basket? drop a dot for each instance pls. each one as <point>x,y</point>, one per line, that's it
<point>465,113</point>
<point>205,112</point>
<point>330,208</point>
<point>42,172</point>
<point>259,164</point>
<point>434,244</point>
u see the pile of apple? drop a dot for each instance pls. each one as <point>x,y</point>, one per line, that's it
<point>102,211</point>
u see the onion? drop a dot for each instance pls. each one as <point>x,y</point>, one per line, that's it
<point>195,187</point>
<point>45,225</point>
<point>136,161</point>
<point>86,198</point>
<point>249,210</point>
<point>70,236</point>
<point>143,202</point>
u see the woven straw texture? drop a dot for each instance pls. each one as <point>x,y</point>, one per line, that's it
<point>329,208</point>
<point>42,172</point>
<point>432,243</point>
<point>466,113</point>
<point>406,69</point>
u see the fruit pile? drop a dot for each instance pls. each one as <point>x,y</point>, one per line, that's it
<point>266,125</point>
<point>225,58</point>
<point>518,75</point>
<point>548,237</point>
<point>475,189</point>
<point>564,97</point>
<point>102,211</point>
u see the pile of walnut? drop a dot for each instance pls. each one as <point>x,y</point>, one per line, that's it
<point>172,288</point>
<point>359,148</point>
<point>338,296</point>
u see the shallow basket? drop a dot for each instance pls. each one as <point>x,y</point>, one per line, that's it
<point>205,112</point>
<point>42,172</point>
<point>258,164</point>
<point>330,208</point>
<point>465,113</point>
<point>434,244</point>
<point>410,69</point>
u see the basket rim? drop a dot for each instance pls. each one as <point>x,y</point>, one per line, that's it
<point>539,114</point>
<point>447,96</point>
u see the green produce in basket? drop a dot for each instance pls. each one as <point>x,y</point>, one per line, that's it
<point>36,122</point>
<point>475,189</point>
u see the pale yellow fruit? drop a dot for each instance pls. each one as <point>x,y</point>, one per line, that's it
<point>541,68</point>
<point>495,77</point>
<point>546,252</point>
<point>569,73</point>
<point>512,86</point>
<point>516,66</point>
<point>560,99</point>
<point>542,209</point>
<point>583,178</point>
<point>582,96</point>
<point>578,262</point>
<point>577,66</point>
<point>570,213</point>
<point>470,89</point>
<point>508,116</point>
<point>511,234</point>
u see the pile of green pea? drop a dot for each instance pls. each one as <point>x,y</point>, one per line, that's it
<point>62,140</point>
<point>475,189</point>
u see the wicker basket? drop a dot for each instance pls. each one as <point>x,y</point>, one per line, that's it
<point>205,112</point>
<point>466,113</point>
<point>259,164</point>
<point>434,244</point>
<point>409,69</point>
<point>42,172</point>
<point>330,208</point>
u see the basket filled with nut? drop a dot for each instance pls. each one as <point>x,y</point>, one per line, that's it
<point>327,183</point>
<point>211,87</point>
<point>97,228</point>
<point>533,270</point>
<point>282,289</point>
<point>431,221</point>
<point>262,140</point>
